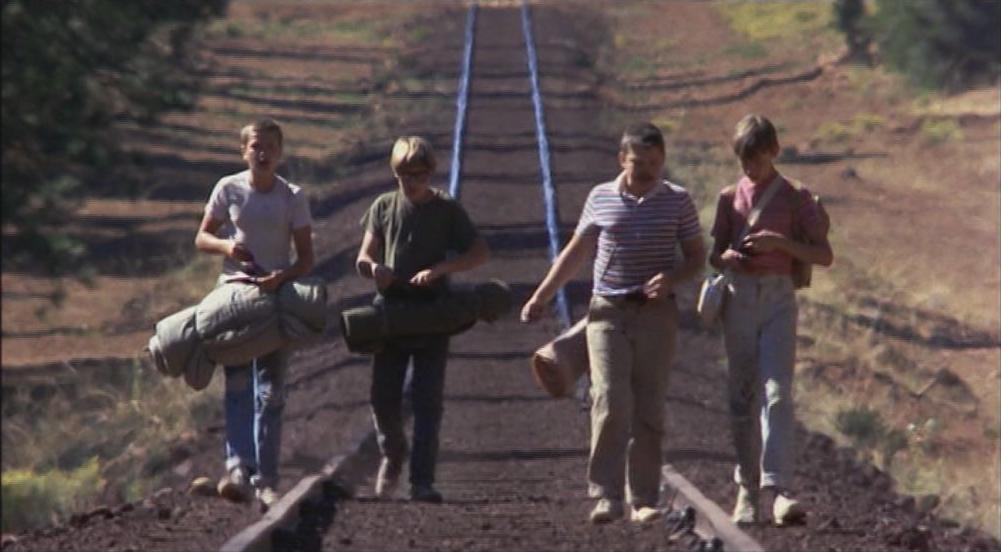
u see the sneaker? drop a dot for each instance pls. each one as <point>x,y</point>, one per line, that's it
<point>235,485</point>
<point>388,478</point>
<point>606,510</point>
<point>645,514</point>
<point>267,497</point>
<point>745,512</point>
<point>425,493</point>
<point>787,510</point>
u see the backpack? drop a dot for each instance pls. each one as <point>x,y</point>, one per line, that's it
<point>803,272</point>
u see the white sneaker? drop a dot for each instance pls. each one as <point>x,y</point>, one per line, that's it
<point>787,510</point>
<point>267,497</point>
<point>646,514</point>
<point>745,512</point>
<point>388,478</point>
<point>607,510</point>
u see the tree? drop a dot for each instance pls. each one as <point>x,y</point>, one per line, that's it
<point>70,68</point>
<point>948,44</point>
<point>849,16</point>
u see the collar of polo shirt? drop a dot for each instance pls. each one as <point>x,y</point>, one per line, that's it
<point>620,182</point>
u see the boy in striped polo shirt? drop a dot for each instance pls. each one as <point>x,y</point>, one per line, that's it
<point>633,224</point>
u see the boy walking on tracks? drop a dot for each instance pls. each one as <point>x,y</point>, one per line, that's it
<point>634,223</point>
<point>759,316</point>
<point>250,219</point>
<point>409,233</point>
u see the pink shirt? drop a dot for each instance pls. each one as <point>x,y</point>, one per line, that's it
<point>790,212</point>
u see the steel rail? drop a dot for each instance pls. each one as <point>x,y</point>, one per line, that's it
<point>548,190</point>
<point>461,105</point>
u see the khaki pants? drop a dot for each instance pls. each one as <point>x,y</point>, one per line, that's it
<point>759,326</point>
<point>630,347</point>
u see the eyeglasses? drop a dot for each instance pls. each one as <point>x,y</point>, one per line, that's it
<point>412,174</point>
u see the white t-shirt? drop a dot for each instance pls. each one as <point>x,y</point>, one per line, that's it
<point>262,222</point>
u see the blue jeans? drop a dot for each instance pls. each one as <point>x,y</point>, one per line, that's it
<point>427,389</point>
<point>759,328</point>
<point>255,398</point>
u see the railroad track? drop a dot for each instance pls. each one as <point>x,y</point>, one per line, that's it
<point>300,520</point>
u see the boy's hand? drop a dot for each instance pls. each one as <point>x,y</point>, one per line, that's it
<point>270,282</point>
<point>533,310</point>
<point>764,241</point>
<point>383,276</point>
<point>733,259</point>
<point>658,287</point>
<point>425,277</point>
<point>238,252</point>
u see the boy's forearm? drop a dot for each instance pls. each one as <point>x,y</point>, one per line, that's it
<point>819,254</point>
<point>478,254</point>
<point>365,267</point>
<point>565,267</point>
<point>207,243</point>
<point>301,267</point>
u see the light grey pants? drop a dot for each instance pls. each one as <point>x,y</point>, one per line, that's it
<point>759,327</point>
<point>630,348</point>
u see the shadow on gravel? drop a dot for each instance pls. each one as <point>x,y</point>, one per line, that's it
<point>513,454</point>
<point>496,398</point>
<point>687,454</point>
<point>326,371</point>
<point>332,406</point>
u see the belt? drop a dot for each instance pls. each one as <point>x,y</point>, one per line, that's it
<point>635,298</point>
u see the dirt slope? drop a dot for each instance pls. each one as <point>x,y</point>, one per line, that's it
<point>512,461</point>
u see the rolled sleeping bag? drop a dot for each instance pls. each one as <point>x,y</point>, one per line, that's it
<point>366,328</point>
<point>238,322</point>
<point>558,364</point>
<point>302,309</point>
<point>199,370</point>
<point>242,345</point>
<point>173,342</point>
<point>233,306</point>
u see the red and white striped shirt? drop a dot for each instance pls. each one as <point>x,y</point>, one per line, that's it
<point>637,236</point>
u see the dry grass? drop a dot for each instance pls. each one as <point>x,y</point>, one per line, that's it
<point>109,435</point>
<point>915,284</point>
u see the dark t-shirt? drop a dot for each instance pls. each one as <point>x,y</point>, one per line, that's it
<point>418,236</point>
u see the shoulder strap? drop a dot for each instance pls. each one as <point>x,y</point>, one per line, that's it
<point>752,218</point>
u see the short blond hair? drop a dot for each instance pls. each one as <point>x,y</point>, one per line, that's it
<point>412,152</point>
<point>261,126</point>
<point>753,135</point>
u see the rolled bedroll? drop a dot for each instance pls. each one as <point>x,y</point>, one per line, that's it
<point>366,328</point>
<point>558,364</point>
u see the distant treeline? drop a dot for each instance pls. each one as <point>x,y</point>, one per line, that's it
<point>940,44</point>
<point>70,68</point>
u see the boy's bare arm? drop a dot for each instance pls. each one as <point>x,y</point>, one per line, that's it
<point>473,257</point>
<point>206,241</point>
<point>764,241</point>
<point>723,257</point>
<point>566,265</point>
<point>366,263</point>
<point>662,284</point>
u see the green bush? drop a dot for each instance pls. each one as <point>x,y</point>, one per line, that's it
<point>943,44</point>
<point>69,70</point>
<point>862,425</point>
<point>33,499</point>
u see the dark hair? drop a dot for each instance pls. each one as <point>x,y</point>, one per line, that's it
<point>753,135</point>
<point>644,135</point>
